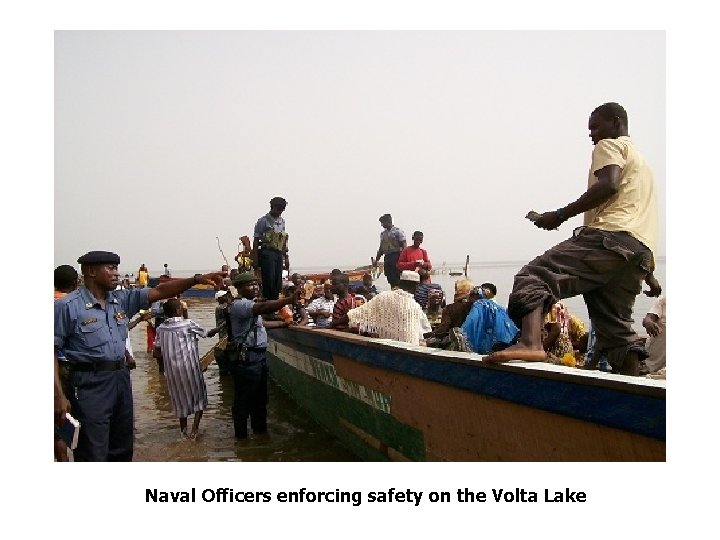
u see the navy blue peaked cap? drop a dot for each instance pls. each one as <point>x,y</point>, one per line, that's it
<point>99,257</point>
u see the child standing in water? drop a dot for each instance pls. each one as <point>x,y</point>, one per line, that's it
<point>177,340</point>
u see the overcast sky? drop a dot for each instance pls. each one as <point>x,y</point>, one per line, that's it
<point>167,139</point>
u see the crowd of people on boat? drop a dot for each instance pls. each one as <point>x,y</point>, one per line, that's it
<point>606,260</point>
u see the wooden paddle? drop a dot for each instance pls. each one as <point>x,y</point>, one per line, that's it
<point>209,356</point>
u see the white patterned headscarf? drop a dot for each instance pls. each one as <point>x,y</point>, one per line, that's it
<point>392,314</point>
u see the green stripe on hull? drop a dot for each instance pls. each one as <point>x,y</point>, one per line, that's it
<point>330,406</point>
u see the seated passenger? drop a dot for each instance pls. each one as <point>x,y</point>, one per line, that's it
<point>367,289</point>
<point>447,335</point>
<point>298,281</point>
<point>309,291</point>
<point>358,300</point>
<point>340,284</point>
<point>393,314</point>
<point>433,311</point>
<point>424,288</point>
<point>655,324</point>
<point>565,340</point>
<point>490,290</point>
<point>321,307</point>
<point>293,313</point>
<point>488,327</point>
<point>453,315</point>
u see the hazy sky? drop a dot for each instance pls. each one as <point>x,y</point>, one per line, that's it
<point>167,139</point>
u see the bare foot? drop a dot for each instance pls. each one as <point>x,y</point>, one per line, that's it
<point>516,352</point>
<point>193,435</point>
<point>184,433</point>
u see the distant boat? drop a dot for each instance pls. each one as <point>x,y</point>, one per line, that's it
<point>355,276</point>
<point>467,263</point>
<point>196,291</point>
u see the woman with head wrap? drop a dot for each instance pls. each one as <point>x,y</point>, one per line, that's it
<point>563,334</point>
<point>453,315</point>
<point>488,326</point>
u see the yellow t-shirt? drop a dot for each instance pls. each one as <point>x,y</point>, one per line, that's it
<point>142,278</point>
<point>633,208</point>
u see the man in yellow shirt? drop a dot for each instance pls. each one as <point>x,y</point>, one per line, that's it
<point>606,260</point>
<point>143,277</point>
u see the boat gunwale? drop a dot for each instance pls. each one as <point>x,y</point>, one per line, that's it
<point>624,383</point>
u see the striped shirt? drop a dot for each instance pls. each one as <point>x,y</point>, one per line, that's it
<point>178,341</point>
<point>321,304</point>
<point>342,306</point>
<point>422,292</point>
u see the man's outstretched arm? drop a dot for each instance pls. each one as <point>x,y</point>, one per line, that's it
<point>606,186</point>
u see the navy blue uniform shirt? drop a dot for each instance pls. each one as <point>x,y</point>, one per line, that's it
<point>241,318</point>
<point>86,332</point>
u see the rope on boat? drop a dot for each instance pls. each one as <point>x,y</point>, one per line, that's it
<point>221,252</point>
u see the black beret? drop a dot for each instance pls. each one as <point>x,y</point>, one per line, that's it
<point>99,257</point>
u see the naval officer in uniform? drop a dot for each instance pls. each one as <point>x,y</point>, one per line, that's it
<point>91,325</point>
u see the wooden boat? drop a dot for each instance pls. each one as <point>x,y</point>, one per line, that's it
<point>465,269</point>
<point>386,400</point>
<point>196,291</point>
<point>355,276</point>
<point>209,357</point>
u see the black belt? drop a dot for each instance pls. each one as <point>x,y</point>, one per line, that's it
<point>256,349</point>
<point>103,365</point>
